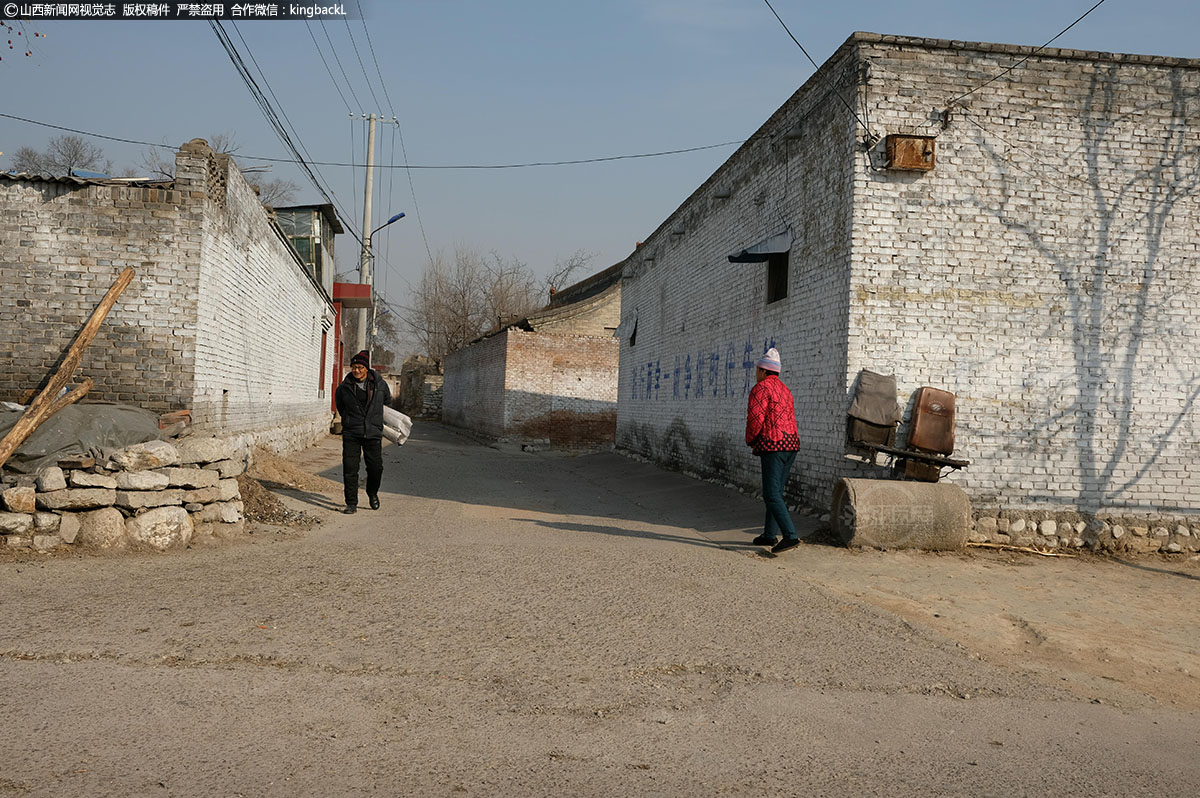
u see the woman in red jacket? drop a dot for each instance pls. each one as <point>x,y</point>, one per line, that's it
<point>771,433</point>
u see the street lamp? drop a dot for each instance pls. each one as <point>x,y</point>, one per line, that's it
<point>368,279</point>
<point>395,218</point>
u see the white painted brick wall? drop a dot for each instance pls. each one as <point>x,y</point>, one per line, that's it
<point>259,326</point>
<point>1046,272</point>
<point>703,322</point>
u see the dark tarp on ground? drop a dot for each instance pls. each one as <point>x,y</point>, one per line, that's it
<point>95,429</point>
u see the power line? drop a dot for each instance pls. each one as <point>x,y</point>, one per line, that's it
<point>294,132</point>
<point>338,61</point>
<point>532,164</point>
<point>328,71</point>
<point>1026,58</point>
<point>269,112</point>
<point>363,19</point>
<point>358,55</point>
<point>825,77</point>
<point>524,165</point>
<point>412,189</point>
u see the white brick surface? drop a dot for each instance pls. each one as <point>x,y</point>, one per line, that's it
<point>1046,272</point>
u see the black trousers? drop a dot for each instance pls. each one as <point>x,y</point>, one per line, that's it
<point>372,453</point>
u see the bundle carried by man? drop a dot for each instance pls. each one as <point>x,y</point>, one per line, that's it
<point>396,425</point>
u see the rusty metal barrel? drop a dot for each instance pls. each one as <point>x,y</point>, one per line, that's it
<point>896,514</point>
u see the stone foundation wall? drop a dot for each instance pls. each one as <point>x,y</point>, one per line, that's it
<point>155,495</point>
<point>1132,534</point>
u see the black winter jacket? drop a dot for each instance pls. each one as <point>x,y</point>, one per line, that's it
<point>362,417</point>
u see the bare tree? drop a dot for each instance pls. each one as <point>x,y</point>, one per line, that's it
<point>272,191</point>
<point>390,345</point>
<point>157,164</point>
<point>62,154</point>
<point>275,191</point>
<point>510,291</point>
<point>562,270</point>
<point>456,303</point>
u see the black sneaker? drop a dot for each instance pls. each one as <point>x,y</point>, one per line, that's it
<point>764,540</point>
<point>785,545</point>
<point>374,501</point>
<point>350,509</point>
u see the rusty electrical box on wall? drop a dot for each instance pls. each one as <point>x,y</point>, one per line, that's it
<point>910,153</point>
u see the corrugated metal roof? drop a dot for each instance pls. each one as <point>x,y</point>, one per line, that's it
<point>140,182</point>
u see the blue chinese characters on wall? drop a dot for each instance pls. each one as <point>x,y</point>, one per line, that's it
<point>699,376</point>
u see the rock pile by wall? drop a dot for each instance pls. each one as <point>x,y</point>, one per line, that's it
<point>1140,534</point>
<point>157,495</point>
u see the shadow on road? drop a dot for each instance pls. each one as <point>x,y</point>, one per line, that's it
<point>441,463</point>
<point>1143,567</point>
<point>308,497</point>
<point>631,533</point>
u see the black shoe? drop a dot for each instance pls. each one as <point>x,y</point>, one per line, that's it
<point>764,540</point>
<point>350,509</point>
<point>374,500</point>
<point>785,545</point>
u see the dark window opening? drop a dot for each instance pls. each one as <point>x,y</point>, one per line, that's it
<point>777,276</point>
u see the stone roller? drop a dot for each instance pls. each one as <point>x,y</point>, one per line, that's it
<point>894,514</point>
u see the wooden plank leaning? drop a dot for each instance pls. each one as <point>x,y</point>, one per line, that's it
<point>47,403</point>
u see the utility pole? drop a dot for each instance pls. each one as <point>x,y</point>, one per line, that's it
<point>366,316</point>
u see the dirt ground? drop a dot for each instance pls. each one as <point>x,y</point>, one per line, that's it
<point>516,623</point>
<point>269,473</point>
<point>1118,629</point>
<point>1125,630</point>
<point>1121,629</point>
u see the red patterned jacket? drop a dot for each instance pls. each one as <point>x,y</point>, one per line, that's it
<point>771,418</point>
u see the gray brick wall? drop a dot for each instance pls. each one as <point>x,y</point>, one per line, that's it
<point>535,385</point>
<point>219,318</point>
<point>473,386</point>
<point>561,388</point>
<point>1045,271</point>
<point>62,246</point>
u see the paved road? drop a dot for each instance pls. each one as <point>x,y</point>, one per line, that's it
<point>515,624</point>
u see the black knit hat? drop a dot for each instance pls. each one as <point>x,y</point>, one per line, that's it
<point>363,357</point>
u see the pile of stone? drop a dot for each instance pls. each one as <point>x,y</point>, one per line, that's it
<point>1047,530</point>
<point>157,495</point>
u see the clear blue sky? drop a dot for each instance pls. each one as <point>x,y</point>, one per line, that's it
<point>507,81</point>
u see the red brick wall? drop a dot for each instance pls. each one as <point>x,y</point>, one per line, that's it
<point>562,388</point>
<point>535,386</point>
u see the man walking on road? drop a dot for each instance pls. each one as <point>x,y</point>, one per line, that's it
<point>360,400</point>
<point>771,433</point>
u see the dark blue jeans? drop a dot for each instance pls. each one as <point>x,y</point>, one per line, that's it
<point>775,469</point>
<point>371,449</point>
